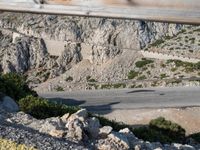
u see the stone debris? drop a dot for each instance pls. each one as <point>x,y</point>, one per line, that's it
<point>63,132</point>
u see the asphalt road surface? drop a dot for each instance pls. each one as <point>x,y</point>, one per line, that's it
<point>107,100</point>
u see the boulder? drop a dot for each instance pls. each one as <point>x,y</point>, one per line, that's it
<point>104,131</point>
<point>75,129</point>
<point>119,139</point>
<point>57,133</point>
<point>93,127</point>
<point>8,104</point>
<point>52,124</point>
<point>182,147</point>
<point>81,115</point>
<point>65,117</point>
<point>130,136</point>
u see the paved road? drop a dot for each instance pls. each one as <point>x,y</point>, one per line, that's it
<point>106,100</point>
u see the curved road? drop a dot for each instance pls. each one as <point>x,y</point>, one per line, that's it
<point>106,100</point>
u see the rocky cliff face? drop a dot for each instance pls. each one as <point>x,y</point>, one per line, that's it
<point>24,47</point>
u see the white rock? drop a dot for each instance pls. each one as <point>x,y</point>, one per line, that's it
<point>82,113</point>
<point>65,117</point>
<point>75,129</point>
<point>120,139</point>
<point>57,133</point>
<point>104,131</point>
<point>51,124</point>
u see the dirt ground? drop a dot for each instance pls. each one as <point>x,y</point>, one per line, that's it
<point>188,118</point>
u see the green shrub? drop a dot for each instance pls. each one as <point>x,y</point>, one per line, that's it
<point>106,86</point>
<point>115,125</point>
<point>132,74</point>
<point>143,77</point>
<point>161,130</point>
<point>173,130</point>
<point>69,79</point>
<point>163,75</point>
<point>15,86</point>
<point>143,63</point>
<point>157,43</point>
<point>41,108</point>
<point>89,79</point>
<point>92,80</point>
<point>195,136</point>
<point>59,89</point>
<point>119,85</point>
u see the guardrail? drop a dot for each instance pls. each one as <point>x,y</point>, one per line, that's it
<point>178,11</point>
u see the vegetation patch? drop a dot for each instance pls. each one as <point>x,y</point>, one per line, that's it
<point>10,145</point>
<point>69,79</point>
<point>41,108</point>
<point>90,79</point>
<point>157,43</point>
<point>195,136</point>
<point>15,86</point>
<point>187,65</point>
<point>119,85</point>
<point>161,130</point>
<point>143,62</point>
<point>132,74</point>
<point>59,89</point>
<point>163,75</point>
<point>143,77</point>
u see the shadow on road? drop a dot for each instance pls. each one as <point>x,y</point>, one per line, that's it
<point>140,91</point>
<point>98,109</point>
<point>101,109</point>
<point>67,101</point>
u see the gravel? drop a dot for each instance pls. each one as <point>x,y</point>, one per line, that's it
<point>33,138</point>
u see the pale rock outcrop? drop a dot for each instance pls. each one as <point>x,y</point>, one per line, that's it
<point>105,131</point>
<point>79,127</point>
<point>52,124</point>
<point>75,130</point>
<point>65,117</point>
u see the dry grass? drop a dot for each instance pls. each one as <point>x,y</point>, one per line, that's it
<point>10,145</point>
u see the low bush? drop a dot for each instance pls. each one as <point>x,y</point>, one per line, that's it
<point>10,145</point>
<point>41,108</point>
<point>115,125</point>
<point>143,77</point>
<point>69,79</point>
<point>59,89</point>
<point>161,130</point>
<point>143,62</point>
<point>119,85</point>
<point>157,42</point>
<point>15,86</point>
<point>195,136</point>
<point>132,74</point>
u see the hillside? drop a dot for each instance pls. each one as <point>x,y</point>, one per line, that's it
<point>68,53</point>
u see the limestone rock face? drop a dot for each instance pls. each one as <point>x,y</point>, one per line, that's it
<point>27,40</point>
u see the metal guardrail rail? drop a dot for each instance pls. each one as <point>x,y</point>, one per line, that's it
<point>177,11</point>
